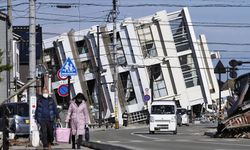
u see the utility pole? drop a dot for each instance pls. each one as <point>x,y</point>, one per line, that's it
<point>34,134</point>
<point>10,49</point>
<point>114,15</point>
<point>98,79</point>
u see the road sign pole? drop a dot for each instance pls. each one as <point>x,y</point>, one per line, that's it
<point>69,77</point>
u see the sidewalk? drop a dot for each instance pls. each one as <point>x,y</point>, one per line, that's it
<point>60,146</point>
<point>57,146</point>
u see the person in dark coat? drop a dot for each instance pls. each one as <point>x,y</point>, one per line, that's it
<point>45,115</point>
<point>125,118</point>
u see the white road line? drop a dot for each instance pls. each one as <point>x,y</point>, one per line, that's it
<point>163,140</point>
<point>143,136</point>
<point>224,149</point>
<point>207,140</point>
<point>113,141</point>
<point>136,141</point>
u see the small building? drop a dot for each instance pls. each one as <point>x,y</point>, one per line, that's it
<point>157,55</point>
<point>4,29</point>
<point>7,85</point>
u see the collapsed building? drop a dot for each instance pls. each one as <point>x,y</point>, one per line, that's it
<point>157,55</point>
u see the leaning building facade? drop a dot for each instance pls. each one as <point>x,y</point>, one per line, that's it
<point>158,57</point>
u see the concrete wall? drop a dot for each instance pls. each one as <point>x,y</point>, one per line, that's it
<point>3,47</point>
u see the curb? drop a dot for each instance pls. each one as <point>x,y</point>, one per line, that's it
<point>102,146</point>
<point>210,134</point>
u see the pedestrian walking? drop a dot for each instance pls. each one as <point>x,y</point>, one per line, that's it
<point>125,118</point>
<point>45,115</point>
<point>78,116</point>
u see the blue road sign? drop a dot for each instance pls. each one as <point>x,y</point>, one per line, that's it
<point>68,68</point>
<point>63,90</point>
<point>146,98</point>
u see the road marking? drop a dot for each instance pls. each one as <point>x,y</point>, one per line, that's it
<point>207,140</point>
<point>113,141</point>
<point>137,141</point>
<point>143,136</point>
<point>163,140</point>
<point>224,149</point>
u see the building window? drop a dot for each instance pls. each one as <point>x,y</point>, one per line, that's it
<point>159,86</point>
<point>146,41</point>
<point>87,67</point>
<point>17,62</point>
<point>108,41</point>
<point>82,47</point>
<point>121,59</point>
<point>180,35</point>
<point>62,51</point>
<point>189,70</point>
<point>128,90</point>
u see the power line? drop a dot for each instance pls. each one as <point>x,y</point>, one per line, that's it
<point>53,4</point>
<point>167,41</point>
<point>163,66</point>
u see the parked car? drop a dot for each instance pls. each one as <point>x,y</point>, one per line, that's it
<point>183,113</point>
<point>19,121</point>
<point>179,119</point>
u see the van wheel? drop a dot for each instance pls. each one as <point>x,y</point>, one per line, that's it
<point>151,132</point>
<point>180,124</point>
<point>175,132</point>
<point>187,124</point>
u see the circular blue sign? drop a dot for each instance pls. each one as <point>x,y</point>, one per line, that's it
<point>63,90</point>
<point>146,98</point>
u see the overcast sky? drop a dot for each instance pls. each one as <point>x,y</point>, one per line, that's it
<point>227,22</point>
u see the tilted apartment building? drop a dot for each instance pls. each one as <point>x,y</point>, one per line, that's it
<point>157,55</point>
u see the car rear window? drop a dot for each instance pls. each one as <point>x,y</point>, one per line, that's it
<point>20,109</point>
<point>181,111</point>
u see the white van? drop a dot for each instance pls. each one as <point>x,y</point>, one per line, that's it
<point>163,116</point>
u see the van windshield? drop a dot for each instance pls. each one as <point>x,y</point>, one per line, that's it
<point>163,109</point>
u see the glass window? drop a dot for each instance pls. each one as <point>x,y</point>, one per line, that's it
<point>87,67</point>
<point>181,111</point>
<point>180,35</point>
<point>121,59</point>
<point>23,110</point>
<point>146,41</point>
<point>162,109</point>
<point>159,86</point>
<point>82,47</point>
<point>189,71</point>
<point>128,89</point>
<point>62,51</point>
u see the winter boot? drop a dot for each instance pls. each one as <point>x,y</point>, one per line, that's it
<point>73,142</point>
<point>79,142</point>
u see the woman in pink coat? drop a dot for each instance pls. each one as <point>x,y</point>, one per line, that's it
<point>78,116</point>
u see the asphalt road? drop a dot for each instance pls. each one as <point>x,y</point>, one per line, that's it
<point>188,138</point>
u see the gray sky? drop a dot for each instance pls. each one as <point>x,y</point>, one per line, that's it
<point>226,23</point>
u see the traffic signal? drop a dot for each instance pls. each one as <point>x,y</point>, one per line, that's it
<point>233,70</point>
